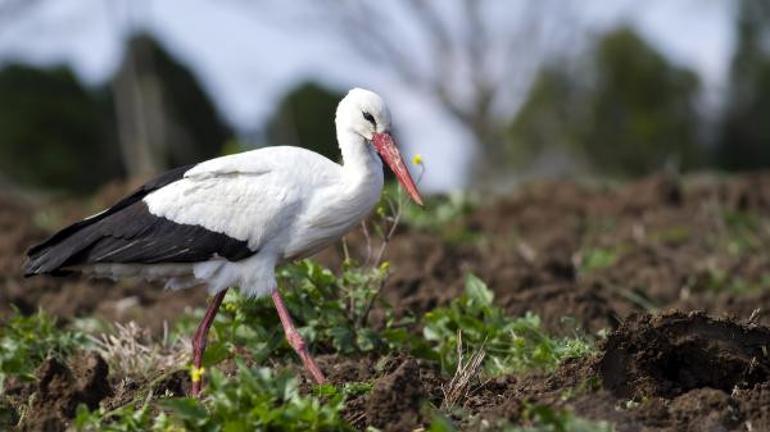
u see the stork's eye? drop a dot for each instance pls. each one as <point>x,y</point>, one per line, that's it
<point>370,118</point>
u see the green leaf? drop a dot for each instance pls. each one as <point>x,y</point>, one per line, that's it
<point>187,408</point>
<point>477,290</point>
<point>215,353</point>
<point>441,424</point>
<point>342,339</point>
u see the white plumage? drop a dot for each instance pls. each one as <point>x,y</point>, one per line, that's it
<point>261,198</point>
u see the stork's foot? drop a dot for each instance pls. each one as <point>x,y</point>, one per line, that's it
<point>296,341</point>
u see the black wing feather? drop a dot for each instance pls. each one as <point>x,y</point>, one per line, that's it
<point>128,233</point>
<point>152,185</point>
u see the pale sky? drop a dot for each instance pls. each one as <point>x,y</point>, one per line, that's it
<point>246,60</point>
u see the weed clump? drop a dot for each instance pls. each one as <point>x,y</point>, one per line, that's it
<point>512,344</point>
<point>253,399</point>
<point>25,341</point>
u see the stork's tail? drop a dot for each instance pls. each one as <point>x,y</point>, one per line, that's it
<point>47,259</point>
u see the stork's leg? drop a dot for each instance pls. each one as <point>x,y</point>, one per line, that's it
<point>201,337</point>
<point>295,340</point>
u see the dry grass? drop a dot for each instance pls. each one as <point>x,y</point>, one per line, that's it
<point>459,388</point>
<point>131,351</point>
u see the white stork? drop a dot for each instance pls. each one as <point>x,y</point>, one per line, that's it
<point>229,221</point>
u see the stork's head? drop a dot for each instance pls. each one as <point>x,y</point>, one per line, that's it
<point>364,113</point>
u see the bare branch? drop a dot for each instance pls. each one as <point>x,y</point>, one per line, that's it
<point>476,68</point>
<point>364,28</point>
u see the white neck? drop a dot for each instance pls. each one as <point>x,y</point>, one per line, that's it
<point>359,161</point>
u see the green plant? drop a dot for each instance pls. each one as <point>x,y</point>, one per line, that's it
<point>253,399</point>
<point>331,313</point>
<point>535,418</point>
<point>8,415</point>
<point>511,344</point>
<point>438,216</point>
<point>742,229</point>
<point>543,418</point>
<point>439,211</point>
<point>25,341</point>
<point>675,235</point>
<point>335,310</point>
<point>721,281</point>
<point>257,399</point>
<point>596,259</point>
<point>124,419</point>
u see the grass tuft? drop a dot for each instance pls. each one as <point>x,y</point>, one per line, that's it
<point>131,351</point>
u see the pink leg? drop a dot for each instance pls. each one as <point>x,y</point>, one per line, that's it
<point>201,337</point>
<point>295,340</point>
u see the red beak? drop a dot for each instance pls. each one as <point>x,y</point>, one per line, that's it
<point>385,146</point>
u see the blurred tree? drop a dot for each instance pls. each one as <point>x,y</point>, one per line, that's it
<point>477,57</point>
<point>52,133</point>
<point>745,138</point>
<point>303,118</point>
<point>635,113</point>
<point>164,117</point>
<point>548,119</point>
<point>641,113</point>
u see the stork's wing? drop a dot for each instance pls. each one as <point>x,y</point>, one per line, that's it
<point>129,233</point>
<point>253,197</point>
<point>228,207</point>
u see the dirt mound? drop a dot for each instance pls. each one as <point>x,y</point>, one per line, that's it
<point>672,354</point>
<point>402,386</point>
<point>60,389</point>
<point>394,403</point>
<point>669,372</point>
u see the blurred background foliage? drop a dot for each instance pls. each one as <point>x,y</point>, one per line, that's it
<point>744,142</point>
<point>53,132</point>
<point>165,117</point>
<point>627,113</point>
<point>620,108</point>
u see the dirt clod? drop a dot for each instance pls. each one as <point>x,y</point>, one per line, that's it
<point>671,354</point>
<point>61,388</point>
<point>394,403</point>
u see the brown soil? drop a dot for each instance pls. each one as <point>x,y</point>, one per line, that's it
<point>675,247</point>
<point>672,354</point>
<point>402,385</point>
<point>667,245</point>
<point>396,396</point>
<point>61,388</point>
<point>672,372</point>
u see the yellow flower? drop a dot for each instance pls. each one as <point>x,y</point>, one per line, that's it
<point>417,159</point>
<point>385,266</point>
<point>196,373</point>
